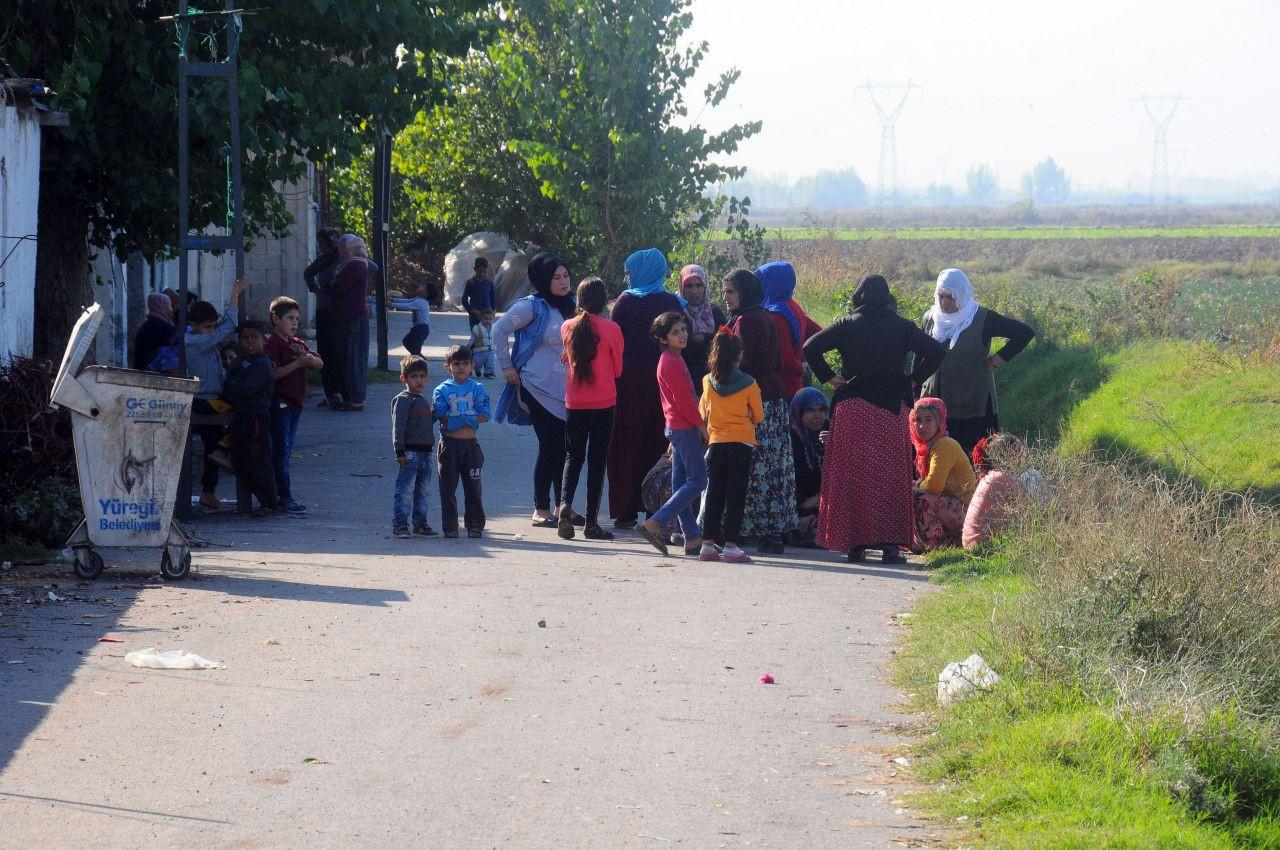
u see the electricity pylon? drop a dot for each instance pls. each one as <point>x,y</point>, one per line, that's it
<point>888,99</point>
<point>1160,109</point>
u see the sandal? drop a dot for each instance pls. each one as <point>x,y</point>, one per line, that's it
<point>595,532</point>
<point>654,540</point>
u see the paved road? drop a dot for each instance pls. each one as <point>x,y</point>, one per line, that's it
<point>405,693</point>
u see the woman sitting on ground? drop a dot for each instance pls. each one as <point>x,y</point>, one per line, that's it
<point>809,424</point>
<point>945,478</point>
<point>1005,480</point>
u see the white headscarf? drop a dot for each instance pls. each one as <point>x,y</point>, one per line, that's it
<point>351,249</point>
<point>948,326</point>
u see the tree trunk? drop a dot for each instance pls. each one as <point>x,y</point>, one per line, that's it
<point>63,287</point>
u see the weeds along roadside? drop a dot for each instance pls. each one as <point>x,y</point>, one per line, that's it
<point>1136,624</point>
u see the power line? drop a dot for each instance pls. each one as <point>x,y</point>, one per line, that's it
<point>888,100</point>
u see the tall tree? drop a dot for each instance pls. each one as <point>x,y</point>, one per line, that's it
<point>980,181</point>
<point>572,131</point>
<point>1047,183</point>
<point>314,78</point>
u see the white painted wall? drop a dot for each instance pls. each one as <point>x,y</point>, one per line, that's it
<point>19,196</point>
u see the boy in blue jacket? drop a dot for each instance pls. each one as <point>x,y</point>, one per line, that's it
<point>461,404</point>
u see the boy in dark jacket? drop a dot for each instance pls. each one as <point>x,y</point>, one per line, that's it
<point>249,389</point>
<point>413,438</point>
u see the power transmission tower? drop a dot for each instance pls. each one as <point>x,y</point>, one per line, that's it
<point>888,100</point>
<point>1160,109</point>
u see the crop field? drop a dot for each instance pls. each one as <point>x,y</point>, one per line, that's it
<point>1251,231</point>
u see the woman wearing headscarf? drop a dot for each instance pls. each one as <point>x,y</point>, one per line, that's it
<point>703,317</point>
<point>154,333</point>
<point>966,379</point>
<point>809,420</point>
<point>771,490</point>
<point>536,373</point>
<point>794,325</point>
<point>638,425</point>
<point>944,478</point>
<point>348,291</point>
<point>866,483</point>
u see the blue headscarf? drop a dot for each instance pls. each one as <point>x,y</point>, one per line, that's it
<point>648,270</point>
<point>803,400</point>
<point>779,280</point>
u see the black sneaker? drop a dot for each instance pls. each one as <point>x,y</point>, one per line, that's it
<point>401,531</point>
<point>425,531</point>
<point>892,555</point>
<point>292,507</point>
<point>452,535</point>
<point>475,532</point>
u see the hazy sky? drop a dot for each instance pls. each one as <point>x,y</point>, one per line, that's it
<point>1003,83</point>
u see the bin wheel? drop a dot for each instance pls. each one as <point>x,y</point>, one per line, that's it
<point>91,566</point>
<point>172,572</point>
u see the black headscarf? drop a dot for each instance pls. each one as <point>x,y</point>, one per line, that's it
<point>541,269</point>
<point>750,290</point>
<point>873,298</point>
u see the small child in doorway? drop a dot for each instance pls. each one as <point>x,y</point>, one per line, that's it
<point>413,436</point>
<point>249,389</point>
<point>291,358</point>
<point>461,404</point>
<point>732,405</point>
<point>417,335</point>
<point>482,346</point>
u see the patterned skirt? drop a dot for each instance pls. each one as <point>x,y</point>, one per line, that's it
<point>866,479</point>
<point>771,493</point>
<point>939,521</point>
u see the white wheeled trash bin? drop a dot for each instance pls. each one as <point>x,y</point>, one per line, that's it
<point>129,429</point>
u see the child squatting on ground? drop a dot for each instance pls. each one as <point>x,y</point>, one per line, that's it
<point>413,437</point>
<point>733,406</point>
<point>461,404</point>
<point>291,358</point>
<point>249,387</point>
<point>687,433</point>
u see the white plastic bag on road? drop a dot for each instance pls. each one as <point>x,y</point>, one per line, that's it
<point>174,659</point>
<point>960,680</point>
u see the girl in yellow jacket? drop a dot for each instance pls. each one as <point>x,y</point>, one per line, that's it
<point>731,405</point>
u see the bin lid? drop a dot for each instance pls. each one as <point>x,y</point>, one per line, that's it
<point>77,349</point>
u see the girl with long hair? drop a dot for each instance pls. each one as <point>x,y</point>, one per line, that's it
<point>593,351</point>
<point>732,407</point>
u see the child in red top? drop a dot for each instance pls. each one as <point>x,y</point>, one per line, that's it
<point>687,433</point>
<point>593,350</point>
<point>291,358</point>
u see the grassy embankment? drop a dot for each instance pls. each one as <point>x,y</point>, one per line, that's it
<point>1133,618</point>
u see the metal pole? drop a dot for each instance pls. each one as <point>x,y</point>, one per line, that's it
<point>183,506</point>
<point>382,236</point>
<point>237,190</point>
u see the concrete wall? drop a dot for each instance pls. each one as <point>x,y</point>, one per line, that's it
<point>19,196</point>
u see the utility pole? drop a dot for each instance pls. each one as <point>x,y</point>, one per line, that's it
<point>1160,109</point>
<point>888,100</point>
<point>382,235</point>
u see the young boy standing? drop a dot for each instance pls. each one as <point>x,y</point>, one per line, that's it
<point>482,346</point>
<point>249,389</point>
<point>461,404</point>
<point>205,333</point>
<point>291,358</point>
<point>413,436</point>
<point>477,293</point>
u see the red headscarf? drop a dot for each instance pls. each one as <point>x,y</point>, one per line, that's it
<point>922,448</point>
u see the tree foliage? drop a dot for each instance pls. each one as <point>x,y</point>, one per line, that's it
<point>571,131</point>
<point>981,183</point>
<point>1047,183</point>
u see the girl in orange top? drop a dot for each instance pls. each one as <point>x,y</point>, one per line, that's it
<point>732,406</point>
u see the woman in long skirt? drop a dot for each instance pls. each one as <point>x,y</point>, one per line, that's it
<point>771,492</point>
<point>348,290</point>
<point>866,499</point>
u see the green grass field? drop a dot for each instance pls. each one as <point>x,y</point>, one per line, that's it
<point>1263,231</point>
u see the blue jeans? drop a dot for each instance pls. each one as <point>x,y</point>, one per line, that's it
<point>485,362</point>
<point>284,430</point>
<point>688,480</point>
<point>412,489</point>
